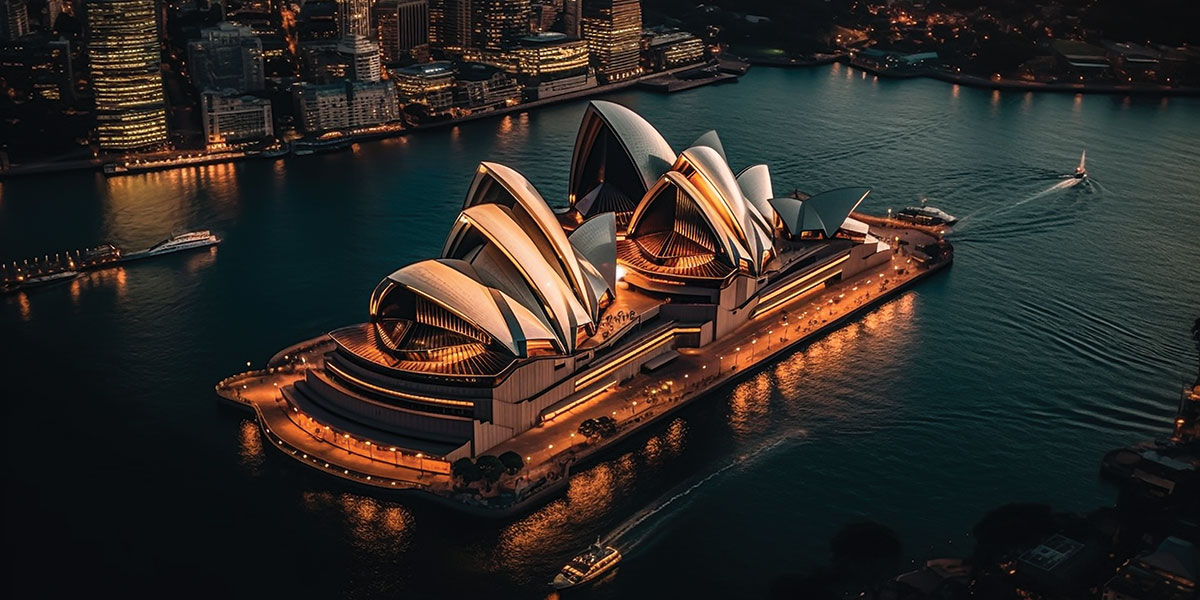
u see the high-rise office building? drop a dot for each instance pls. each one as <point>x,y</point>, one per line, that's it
<point>126,70</point>
<point>403,28</point>
<point>14,19</point>
<point>500,23</point>
<point>571,17</point>
<point>354,17</point>
<point>451,25</point>
<point>361,56</point>
<point>227,56</point>
<point>613,30</point>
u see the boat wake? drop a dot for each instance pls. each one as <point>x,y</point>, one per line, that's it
<point>971,221</point>
<point>630,534</point>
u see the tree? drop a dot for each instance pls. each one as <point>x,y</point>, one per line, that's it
<point>491,467</point>
<point>466,470</point>
<point>512,462</point>
<point>606,426</point>
<point>589,428</point>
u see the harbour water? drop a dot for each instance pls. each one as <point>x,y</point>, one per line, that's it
<point>1061,332</point>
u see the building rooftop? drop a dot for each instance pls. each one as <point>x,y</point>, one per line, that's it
<point>431,69</point>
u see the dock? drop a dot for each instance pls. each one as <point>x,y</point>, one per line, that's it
<point>20,275</point>
<point>708,74</point>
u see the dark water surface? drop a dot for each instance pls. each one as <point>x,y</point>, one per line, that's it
<point>1061,331</point>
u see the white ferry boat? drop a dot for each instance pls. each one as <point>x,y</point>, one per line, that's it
<point>587,567</point>
<point>177,243</point>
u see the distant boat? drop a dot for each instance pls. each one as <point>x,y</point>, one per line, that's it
<point>587,567</point>
<point>926,215</point>
<point>1081,170</point>
<point>177,243</point>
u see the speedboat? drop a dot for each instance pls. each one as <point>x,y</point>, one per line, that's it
<point>1081,170</point>
<point>926,215</point>
<point>587,567</point>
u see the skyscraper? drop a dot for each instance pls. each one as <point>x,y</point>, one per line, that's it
<point>571,17</point>
<point>403,27</point>
<point>362,57</point>
<point>500,23</point>
<point>14,19</point>
<point>613,30</point>
<point>126,68</point>
<point>451,24</point>
<point>354,17</point>
<point>227,56</point>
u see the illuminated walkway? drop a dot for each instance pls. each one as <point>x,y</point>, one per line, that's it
<point>551,448</point>
<point>698,370</point>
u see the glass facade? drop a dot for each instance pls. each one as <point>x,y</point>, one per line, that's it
<point>126,68</point>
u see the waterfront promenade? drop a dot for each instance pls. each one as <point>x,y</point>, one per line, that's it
<point>554,448</point>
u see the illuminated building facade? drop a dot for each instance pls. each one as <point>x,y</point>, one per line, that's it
<point>227,56</point>
<point>675,49</point>
<point>354,18</point>
<point>613,30</point>
<point>403,28</point>
<point>431,84</point>
<point>229,117</point>
<point>126,71</point>
<point>498,24</point>
<point>345,105</point>
<point>479,85</point>
<point>514,320</point>
<point>361,56</point>
<point>14,19</point>
<point>451,25</point>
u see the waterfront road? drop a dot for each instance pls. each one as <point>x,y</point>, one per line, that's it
<point>698,370</point>
<point>555,445</point>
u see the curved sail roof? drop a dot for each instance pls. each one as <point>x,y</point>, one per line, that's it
<point>596,242</point>
<point>711,214</point>
<point>646,151</point>
<point>823,212</point>
<point>491,225</point>
<point>712,140</point>
<point>495,183</point>
<point>717,181</point>
<point>445,283</point>
<point>755,182</point>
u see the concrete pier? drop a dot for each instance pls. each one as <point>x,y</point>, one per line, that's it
<point>554,449</point>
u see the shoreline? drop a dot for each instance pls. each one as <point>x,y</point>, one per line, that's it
<point>646,83</point>
<point>97,164</point>
<point>1017,85</point>
<point>551,473</point>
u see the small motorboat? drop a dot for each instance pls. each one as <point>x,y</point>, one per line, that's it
<point>926,215</point>
<point>587,567</point>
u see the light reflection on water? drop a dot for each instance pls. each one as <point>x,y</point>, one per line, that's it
<point>1031,348</point>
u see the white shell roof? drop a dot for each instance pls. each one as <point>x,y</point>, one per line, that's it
<point>440,282</point>
<point>562,308</point>
<point>745,220</point>
<point>647,148</point>
<point>825,212</point>
<point>528,199</point>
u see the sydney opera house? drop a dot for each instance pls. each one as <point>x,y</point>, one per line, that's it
<point>529,310</point>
